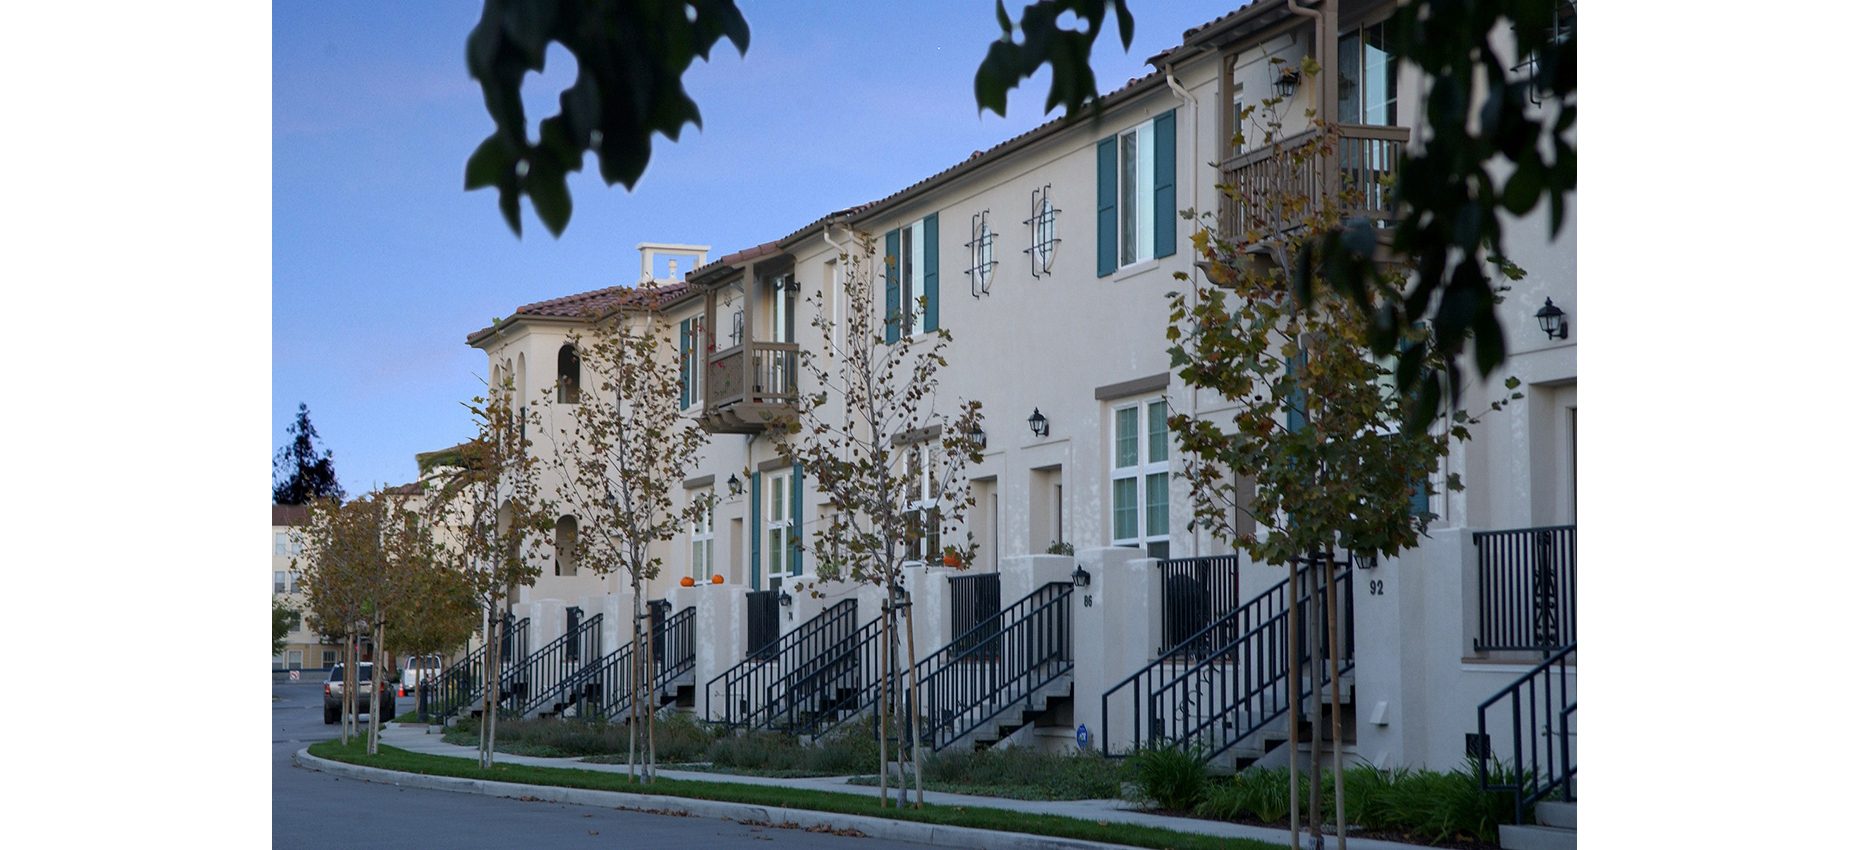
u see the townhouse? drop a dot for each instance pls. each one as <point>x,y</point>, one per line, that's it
<point>1048,257</point>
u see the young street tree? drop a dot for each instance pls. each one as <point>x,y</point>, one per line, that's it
<point>864,434</point>
<point>282,619</point>
<point>487,503</point>
<point>438,611</point>
<point>300,473</point>
<point>1315,425</point>
<point>340,551</point>
<point>621,449</point>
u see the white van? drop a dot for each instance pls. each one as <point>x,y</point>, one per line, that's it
<point>420,668</point>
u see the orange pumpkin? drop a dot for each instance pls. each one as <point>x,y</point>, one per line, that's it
<point>719,579</point>
<point>687,581</point>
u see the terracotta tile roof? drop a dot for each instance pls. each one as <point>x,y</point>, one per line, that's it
<point>288,514</point>
<point>1254,10</point>
<point>593,305</point>
<point>415,488</point>
<point>733,259</point>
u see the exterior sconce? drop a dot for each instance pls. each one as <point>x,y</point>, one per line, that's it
<point>787,284</point>
<point>1038,423</point>
<point>1081,578</point>
<point>979,438</point>
<point>783,598</point>
<point>733,485</point>
<point>1553,320</point>
<point>1284,79</point>
<point>666,606</point>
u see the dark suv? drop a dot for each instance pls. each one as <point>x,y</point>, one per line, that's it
<point>336,684</point>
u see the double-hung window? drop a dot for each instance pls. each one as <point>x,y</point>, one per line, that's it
<point>912,279</point>
<point>278,581</point>
<point>1140,476</point>
<point>701,533</point>
<point>924,546</point>
<point>282,543</point>
<point>778,531</point>
<point>1137,194</point>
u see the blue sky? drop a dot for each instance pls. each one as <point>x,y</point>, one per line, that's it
<point>382,264</point>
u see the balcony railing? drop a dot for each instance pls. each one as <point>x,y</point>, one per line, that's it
<point>1280,186</point>
<point>770,378</point>
<point>1526,589</point>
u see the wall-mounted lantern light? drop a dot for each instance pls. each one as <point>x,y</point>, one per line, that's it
<point>1038,423</point>
<point>979,438</point>
<point>1553,320</point>
<point>733,486</point>
<point>1284,79</point>
<point>1081,578</point>
<point>783,598</point>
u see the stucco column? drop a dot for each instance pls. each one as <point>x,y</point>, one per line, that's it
<point>1115,629</point>
<point>719,635</point>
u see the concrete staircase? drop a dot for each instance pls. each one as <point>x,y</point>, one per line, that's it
<point>1009,720</point>
<point>1554,829</point>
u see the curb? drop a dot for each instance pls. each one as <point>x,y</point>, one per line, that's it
<point>873,827</point>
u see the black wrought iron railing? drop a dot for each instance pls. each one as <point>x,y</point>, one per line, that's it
<point>754,692</point>
<point>845,683</point>
<point>604,688</point>
<point>1197,592</point>
<point>761,621</point>
<point>540,673</point>
<point>1540,707</point>
<point>550,671</point>
<point>1232,678</point>
<point>975,601</point>
<point>1023,648</point>
<point>459,686</point>
<point>1525,589</point>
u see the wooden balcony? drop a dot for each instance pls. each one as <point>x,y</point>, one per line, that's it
<point>750,386</point>
<point>1278,188</point>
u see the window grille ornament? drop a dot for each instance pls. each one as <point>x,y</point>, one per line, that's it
<point>982,247</point>
<point>1042,237</point>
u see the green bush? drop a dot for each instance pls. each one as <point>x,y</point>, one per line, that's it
<point>1424,805</point>
<point>850,749</point>
<point>677,737</point>
<point>1174,778</point>
<point>1026,774</point>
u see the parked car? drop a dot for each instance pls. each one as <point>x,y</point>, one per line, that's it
<point>420,668</point>
<point>336,686</point>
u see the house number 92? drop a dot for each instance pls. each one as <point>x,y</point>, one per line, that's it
<point>1376,588</point>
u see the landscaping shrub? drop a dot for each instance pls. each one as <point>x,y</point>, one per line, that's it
<point>1172,777</point>
<point>1025,774</point>
<point>850,749</point>
<point>677,738</point>
<point>1423,805</point>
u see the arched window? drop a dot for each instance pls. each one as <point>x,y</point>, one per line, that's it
<point>568,374</point>
<point>565,546</point>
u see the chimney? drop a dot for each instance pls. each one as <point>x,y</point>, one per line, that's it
<point>671,250</point>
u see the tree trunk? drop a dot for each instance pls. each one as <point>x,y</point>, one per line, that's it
<point>636,650</point>
<point>491,691</point>
<point>1315,609</point>
<point>912,674</point>
<point>1295,673</point>
<point>373,715</point>
<point>881,694</point>
<point>648,681</point>
<point>1336,701</point>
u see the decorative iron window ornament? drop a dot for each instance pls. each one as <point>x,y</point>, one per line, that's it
<point>1042,241</point>
<point>982,247</point>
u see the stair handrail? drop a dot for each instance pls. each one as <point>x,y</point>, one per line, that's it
<point>768,670</point>
<point>1260,669</point>
<point>1032,647</point>
<point>464,682</point>
<point>854,662</point>
<point>1538,773</point>
<point>541,671</point>
<point>611,674</point>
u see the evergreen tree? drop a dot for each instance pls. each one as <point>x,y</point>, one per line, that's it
<point>300,474</point>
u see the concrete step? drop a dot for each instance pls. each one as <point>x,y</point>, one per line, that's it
<point>1529,837</point>
<point>1555,813</point>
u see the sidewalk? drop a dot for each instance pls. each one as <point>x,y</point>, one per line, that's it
<point>415,739</point>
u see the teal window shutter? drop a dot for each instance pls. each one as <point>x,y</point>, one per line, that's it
<point>894,314</point>
<point>796,520</point>
<point>1165,196</point>
<point>757,528</point>
<point>687,362</point>
<point>1422,503</point>
<point>1107,206</point>
<point>1294,411</point>
<point>931,272</point>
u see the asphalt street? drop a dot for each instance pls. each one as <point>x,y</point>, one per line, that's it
<point>309,809</point>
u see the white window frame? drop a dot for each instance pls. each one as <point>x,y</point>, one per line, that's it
<point>282,542</point>
<point>700,534</point>
<point>1137,194</point>
<point>777,529</point>
<point>1140,471</point>
<point>278,581</point>
<point>695,355</point>
<point>910,266</point>
<point>295,581</point>
<point>292,659</point>
<point>927,548</point>
<point>330,657</point>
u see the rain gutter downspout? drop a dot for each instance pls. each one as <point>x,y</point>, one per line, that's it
<point>1194,203</point>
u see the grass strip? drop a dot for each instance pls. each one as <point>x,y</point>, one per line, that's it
<point>1133,835</point>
